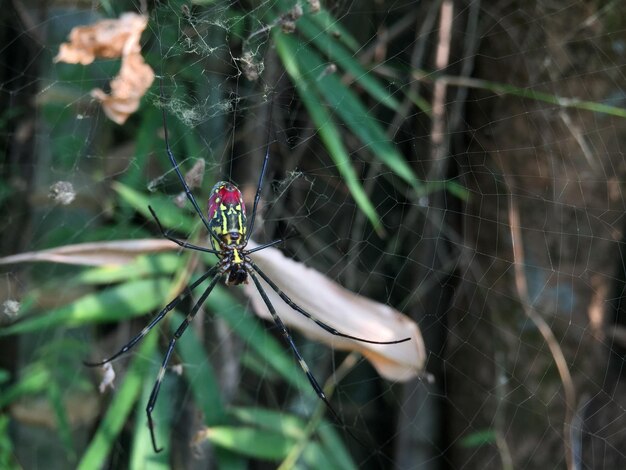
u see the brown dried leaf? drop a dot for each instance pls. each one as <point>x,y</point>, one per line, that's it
<point>111,39</point>
<point>347,312</point>
<point>127,88</point>
<point>106,39</point>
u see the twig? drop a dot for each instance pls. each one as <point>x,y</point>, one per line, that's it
<point>543,327</point>
<point>437,137</point>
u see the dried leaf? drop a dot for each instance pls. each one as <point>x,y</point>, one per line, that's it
<point>127,88</point>
<point>107,39</point>
<point>112,39</point>
<point>343,310</point>
<point>95,254</point>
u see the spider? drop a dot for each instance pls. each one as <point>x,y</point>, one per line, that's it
<point>229,235</point>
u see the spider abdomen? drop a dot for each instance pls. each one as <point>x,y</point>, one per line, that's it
<point>227,215</point>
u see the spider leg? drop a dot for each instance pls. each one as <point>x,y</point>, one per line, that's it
<point>180,243</point>
<point>261,178</point>
<point>170,154</point>
<point>320,323</point>
<point>156,319</point>
<point>279,323</point>
<point>179,332</point>
<point>267,245</point>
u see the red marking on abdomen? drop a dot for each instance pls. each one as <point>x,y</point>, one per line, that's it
<point>227,194</point>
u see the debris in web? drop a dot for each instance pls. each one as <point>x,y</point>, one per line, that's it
<point>10,308</point>
<point>108,377</point>
<point>62,192</point>
<point>251,67</point>
<point>193,178</point>
<point>288,20</point>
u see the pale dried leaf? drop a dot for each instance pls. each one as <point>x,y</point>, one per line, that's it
<point>127,88</point>
<point>112,253</point>
<point>343,310</point>
<point>104,39</point>
<point>112,39</point>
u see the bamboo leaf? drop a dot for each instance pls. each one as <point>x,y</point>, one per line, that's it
<point>260,444</point>
<point>142,266</point>
<point>328,133</point>
<point>336,52</point>
<point>348,107</point>
<point>120,302</point>
<point>254,333</point>
<point>142,454</point>
<point>200,374</point>
<point>329,23</point>
<point>274,421</point>
<point>170,216</point>
<point>120,407</point>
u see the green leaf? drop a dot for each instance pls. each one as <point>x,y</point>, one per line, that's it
<point>120,302</point>
<point>200,374</point>
<point>253,332</point>
<point>333,26</point>
<point>479,438</point>
<point>64,430</point>
<point>315,456</point>
<point>343,58</point>
<point>328,132</point>
<point>120,407</point>
<point>143,455</point>
<point>142,266</point>
<point>350,109</point>
<point>260,444</point>
<point>335,447</point>
<point>34,379</point>
<point>170,216</point>
<point>275,421</point>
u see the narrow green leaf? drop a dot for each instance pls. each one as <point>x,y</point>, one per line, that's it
<point>253,332</point>
<point>55,398</point>
<point>252,442</point>
<point>120,302</point>
<point>349,108</point>
<point>329,23</point>
<point>7,452</point>
<point>34,379</point>
<point>200,374</point>
<point>120,407</point>
<point>275,421</point>
<point>142,454</point>
<point>327,130</point>
<point>344,59</point>
<point>315,456</point>
<point>145,143</point>
<point>170,216</point>
<point>508,89</point>
<point>143,266</point>
<point>479,438</point>
<point>335,447</point>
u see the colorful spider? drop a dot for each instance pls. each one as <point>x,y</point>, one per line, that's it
<point>229,236</point>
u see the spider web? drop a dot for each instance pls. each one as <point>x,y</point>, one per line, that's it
<point>508,253</point>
